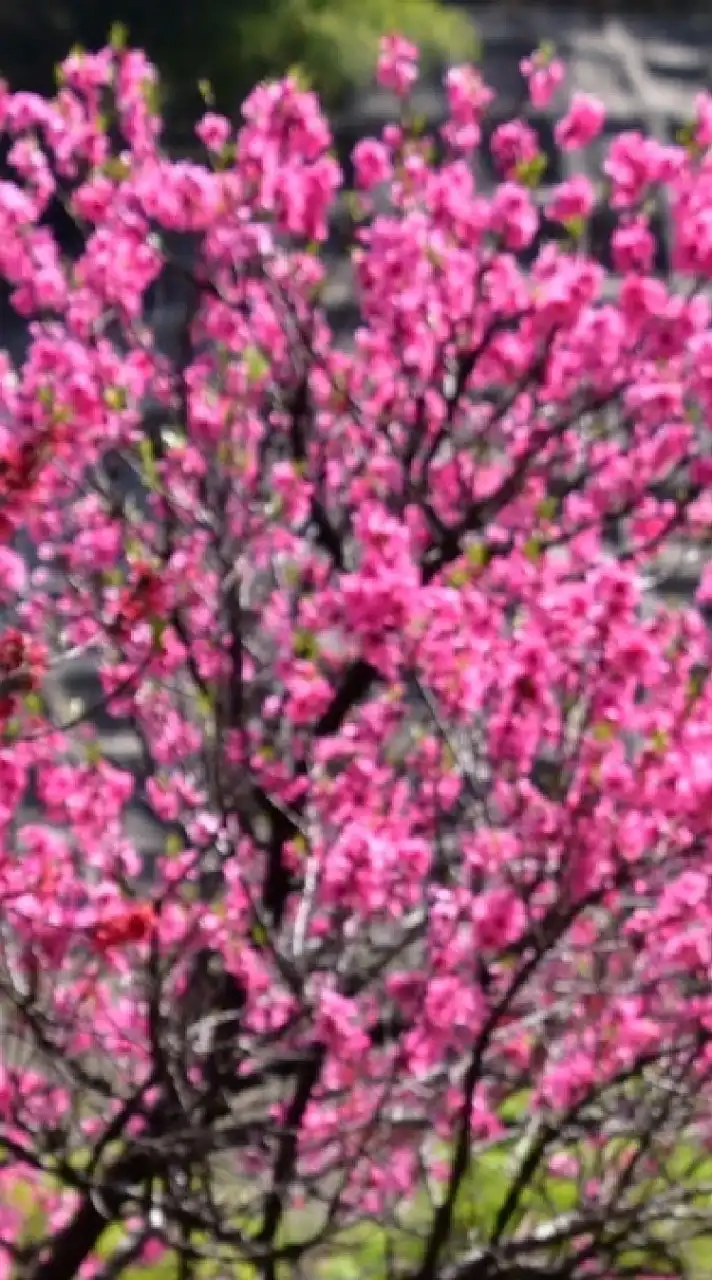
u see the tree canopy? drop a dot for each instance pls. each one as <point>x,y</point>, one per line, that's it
<point>417,984</point>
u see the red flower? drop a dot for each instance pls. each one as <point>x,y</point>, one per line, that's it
<point>23,662</point>
<point>142,600</point>
<point>133,924</point>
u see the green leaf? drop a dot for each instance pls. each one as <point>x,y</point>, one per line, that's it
<point>226,157</point>
<point>115,398</point>
<point>291,574</point>
<point>300,76</point>
<point>173,845</point>
<point>93,754</point>
<point>354,206</point>
<point>516,1106</point>
<point>548,509</point>
<point>33,703</point>
<point>258,934</point>
<point>576,227</point>
<point>459,577</point>
<point>152,96</point>
<point>603,731</point>
<point>531,172</point>
<point>659,740</point>
<point>477,554</point>
<point>696,683</point>
<point>158,630</point>
<point>417,125</point>
<point>306,644</point>
<point>118,36</point>
<point>206,704</point>
<point>256,364</point>
<point>148,462</point>
<point>532,549</point>
<point>275,508</point>
<point>207,93</point>
<point>116,169</point>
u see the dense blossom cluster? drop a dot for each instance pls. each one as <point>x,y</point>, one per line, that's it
<point>450,758</point>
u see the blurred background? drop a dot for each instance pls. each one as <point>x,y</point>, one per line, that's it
<point>233,43</point>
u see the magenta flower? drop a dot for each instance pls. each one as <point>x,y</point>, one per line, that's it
<point>582,124</point>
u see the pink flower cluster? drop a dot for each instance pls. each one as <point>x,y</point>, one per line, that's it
<point>362,605</point>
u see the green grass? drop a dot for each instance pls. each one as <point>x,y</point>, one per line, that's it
<point>362,1252</point>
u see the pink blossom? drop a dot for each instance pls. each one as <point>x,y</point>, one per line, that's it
<point>338,1025</point>
<point>309,694</point>
<point>450,1008</point>
<point>565,1082</point>
<point>513,144</point>
<point>13,574</point>
<point>572,200</point>
<point>633,246</point>
<point>513,216</point>
<point>397,65</point>
<point>544,77</point>
<point>499,918</point>
<point>633,164</point>
<point>213,131</point>
<point>468,99</point>
<point>371,162</point>
<point>563,1165</point>
<point>704,591</point>
<point>582,124</point>
<point>370,614</point>
<point>703,118</point>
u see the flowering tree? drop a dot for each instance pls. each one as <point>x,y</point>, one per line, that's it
<point>420,984</point>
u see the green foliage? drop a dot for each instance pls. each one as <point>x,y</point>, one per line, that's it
<point>226,46</point>
<point>335,45</point>
<point>531,172</point>
<point>364,1252</point>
